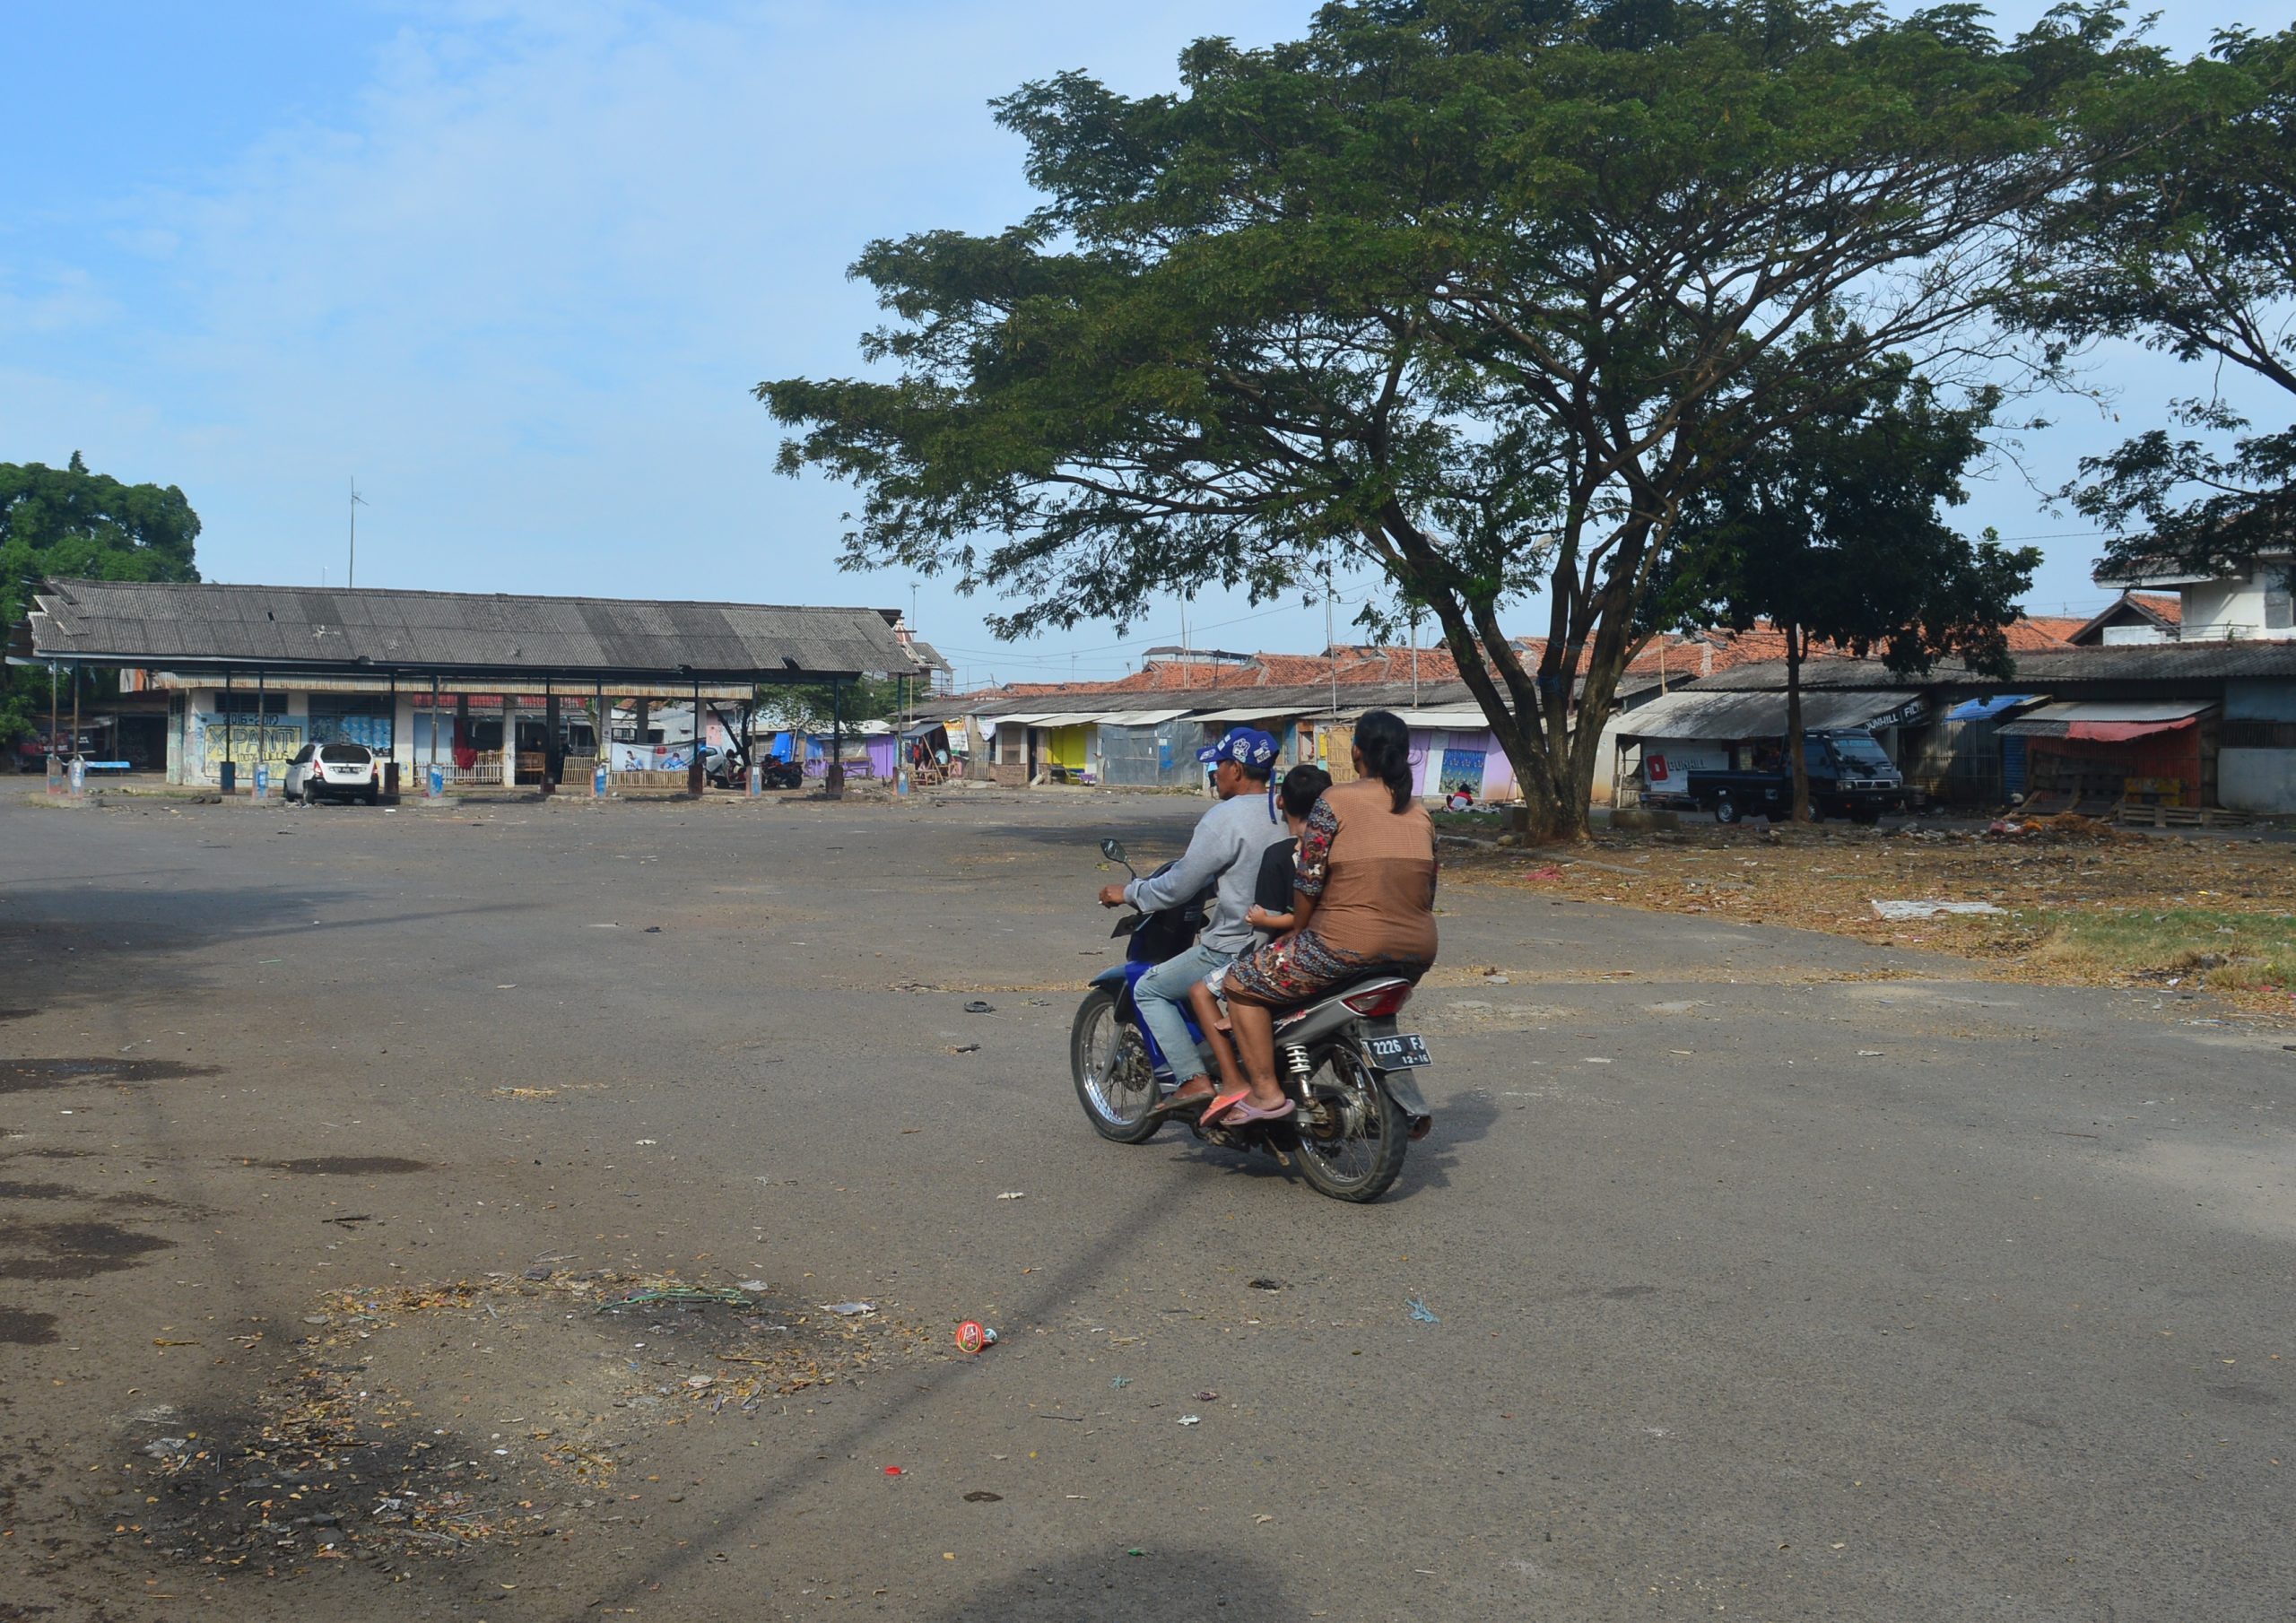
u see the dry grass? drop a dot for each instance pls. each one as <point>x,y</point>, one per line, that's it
<point>2082,903</point>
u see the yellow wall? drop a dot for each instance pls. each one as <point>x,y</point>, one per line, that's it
<point>1066,747</point>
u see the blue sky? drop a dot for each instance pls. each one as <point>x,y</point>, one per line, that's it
<point>514,264</point>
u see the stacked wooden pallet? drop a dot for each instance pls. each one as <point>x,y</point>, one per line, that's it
<point>2179,817</point>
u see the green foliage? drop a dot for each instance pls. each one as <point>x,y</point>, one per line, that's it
<point>68,522</point>
<point>2186,242</point>
<point>806,706</point>
<point>1829,527</point>
<point>1484,293</point>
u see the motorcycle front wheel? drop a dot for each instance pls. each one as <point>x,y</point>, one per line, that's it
<point>1114,1081</point>
<point>1353,1138</point>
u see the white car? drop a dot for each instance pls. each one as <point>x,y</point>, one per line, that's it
<point>337,771</point>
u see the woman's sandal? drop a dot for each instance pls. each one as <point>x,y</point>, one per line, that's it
<point>1222,1103</point>
<point>1240,1111</point>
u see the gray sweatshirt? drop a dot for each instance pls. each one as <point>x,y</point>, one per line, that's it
<point>1227,844</point>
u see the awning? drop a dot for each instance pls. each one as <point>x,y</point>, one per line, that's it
<point>1453,720</point>
<point>1137,718</point>
<point>1729,715</point>
<point>1248,713</point>
<point>2107,721</point>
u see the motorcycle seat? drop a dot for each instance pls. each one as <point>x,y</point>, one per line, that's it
<point>1365,978</point>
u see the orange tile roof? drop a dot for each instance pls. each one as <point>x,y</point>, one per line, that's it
<point>1672,656</point>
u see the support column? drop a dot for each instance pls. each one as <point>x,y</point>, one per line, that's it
<point>603,767</point>
<point>430,772</point>
<point>79,759</point>
<point>228,774</point>
<point>834,778</point>
<point>261,776</point>
<point>697,776</point>
<point>552,761</point>
<point>509,741</point>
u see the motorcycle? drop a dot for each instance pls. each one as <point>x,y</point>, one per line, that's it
<point>1341,1058</point>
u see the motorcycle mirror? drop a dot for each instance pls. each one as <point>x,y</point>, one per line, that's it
<point>1113,849</point>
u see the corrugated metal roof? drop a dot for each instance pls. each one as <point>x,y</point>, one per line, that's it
<point>1701,712</point>
<point>1254,713</point>
<point>2151,661</point>
<point>2120,710</point>
<point>202,625</point>
<point>1456,720</point>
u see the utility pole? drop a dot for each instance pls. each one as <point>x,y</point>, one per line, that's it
<point>1331,651</point>
<point>1414,656</point>
<point>351,578</point>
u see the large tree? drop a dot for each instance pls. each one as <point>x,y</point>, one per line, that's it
<point>70,523</point>
<point>1830,529</point>
<point>2185,240</point>
<point>1483,292</point>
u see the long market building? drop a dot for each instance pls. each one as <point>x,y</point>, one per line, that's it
<point>479,690</point>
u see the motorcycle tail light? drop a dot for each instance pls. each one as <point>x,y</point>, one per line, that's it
<point>1379,1001</point>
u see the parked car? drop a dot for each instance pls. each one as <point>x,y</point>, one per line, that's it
<point>334,771</point>
<point>31,753</point>
<point>1851,776</point>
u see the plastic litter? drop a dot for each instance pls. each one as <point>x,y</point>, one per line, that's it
<point>1014,1194</point>
<point>981,1496</point>
<point>1901,911</point>
<point>1191,1419</point>
<point>848,1310</point>
<point>892,1471</point>
<point>1265,1284</point>
<point>979,1006</point>
<point>972,1336</point>
<point>1420,1314</point>
<point>1120,1382</point>
<point>1207,1397</point>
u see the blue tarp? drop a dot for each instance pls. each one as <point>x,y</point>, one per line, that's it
<point>1988,709</point>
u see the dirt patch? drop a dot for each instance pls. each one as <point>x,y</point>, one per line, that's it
<point>25,1076</point>
<point>71,1250</point>
<point>2080,902</point>
<point>348,1166</point>
<point>20,1328</point>
<point>361,1445</point>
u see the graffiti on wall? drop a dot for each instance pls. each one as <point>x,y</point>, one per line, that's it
<point>275,738</point>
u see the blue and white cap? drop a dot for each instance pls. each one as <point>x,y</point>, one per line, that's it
<point>1246,746</point>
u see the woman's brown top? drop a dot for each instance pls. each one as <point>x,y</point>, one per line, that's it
<point>1371,870</point>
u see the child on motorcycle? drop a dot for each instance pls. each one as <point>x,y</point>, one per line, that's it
<point>1276,910</point>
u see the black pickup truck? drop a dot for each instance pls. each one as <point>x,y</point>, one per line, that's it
<point>1851,776</point>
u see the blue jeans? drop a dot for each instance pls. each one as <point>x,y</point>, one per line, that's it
<point>1162,992</point>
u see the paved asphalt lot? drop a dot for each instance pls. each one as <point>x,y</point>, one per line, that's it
<point>1776,1276</point>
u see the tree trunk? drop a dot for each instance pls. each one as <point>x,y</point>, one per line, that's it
<point>1800,764</point>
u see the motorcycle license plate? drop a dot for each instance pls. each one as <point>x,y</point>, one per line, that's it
<point>1401,1051</point>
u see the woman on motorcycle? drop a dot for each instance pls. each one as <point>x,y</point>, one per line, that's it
<point>1368,861</point>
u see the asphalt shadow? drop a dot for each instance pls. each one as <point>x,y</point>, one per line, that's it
<point>1137,1584</point>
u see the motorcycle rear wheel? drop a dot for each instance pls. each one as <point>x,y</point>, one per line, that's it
<point>1362,1161</point>
<point>1115,1081</point>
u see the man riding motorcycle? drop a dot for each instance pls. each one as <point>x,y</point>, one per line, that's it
<point>1224,853</point>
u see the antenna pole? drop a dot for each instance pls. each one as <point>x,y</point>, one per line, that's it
<point>351,577</point>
